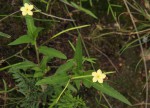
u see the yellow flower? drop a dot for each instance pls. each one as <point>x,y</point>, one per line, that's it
<point>27,9</point>
<point>98,76</point>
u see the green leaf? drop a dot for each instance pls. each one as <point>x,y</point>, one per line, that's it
<point>43,64</point>
<point>4,35</point>
<point>26,1</point>
<point>36,32</point>
<point>91,60</point>
<point>86,82</point>
<point>105,88</point>
<point>53,80</point>
<point>21,40</point>
<point>30,25</point>
<point>67,30</point>
<point>65,67</point>
<point>72,46</point>
<point>78,54</point>
<point>72,88</point>
<point>44,1</point>
<point>64,31</point>
<point>21,65</point>
<point>78,83</point>
<point>38,74</point>
<point>83,9</point>
<point>85,78</point>
<point>51,52</point>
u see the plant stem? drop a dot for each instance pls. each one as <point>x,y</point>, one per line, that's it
<point>60,95</point>
<point>9,15</point>
<point>106,100</point>
<point>19,52</point>
<point>37,53</point>
<point>1,69</point>
<point>78,77</point>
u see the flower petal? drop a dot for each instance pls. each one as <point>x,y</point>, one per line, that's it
<point>24,13</point>
<point>103,76</point>
<point>30,13</point>
<point>100,80</point>
<point>26,5</point>
<point>94,79</point>
<point>30,7</point>
<point>22,9</point>
<point>99,71</point>
<point>94,73</point>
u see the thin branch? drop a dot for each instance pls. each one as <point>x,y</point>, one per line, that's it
<point>106,100</point>
<point>60,18</point>
<point>55,16</point>
<point>9,15</point>
<point>123,33</point>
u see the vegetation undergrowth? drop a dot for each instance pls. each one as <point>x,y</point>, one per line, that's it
<point>40,84</point>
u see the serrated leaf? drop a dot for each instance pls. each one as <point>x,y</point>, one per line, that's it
<point>21,40</point>
<point>4,35</point>
<point>83,9</point>
<point>53,80</point>
<point>51,52</point>
<point>65,67</point>
<point>105,88</point>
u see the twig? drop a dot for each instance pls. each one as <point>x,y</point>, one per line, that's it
<point>123,33</point>
<point>3,60</point>
<point>55,16</point>
<point>142,103</point>
<point>9,15</point>
<point>60,18</point>
<point>106,100</point>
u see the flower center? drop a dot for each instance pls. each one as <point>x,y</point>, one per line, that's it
<point>98,76</point>
<point>27,9</point>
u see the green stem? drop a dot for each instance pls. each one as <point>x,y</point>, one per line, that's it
<point>79,77</point>
<point>8,90</point>
<point>37,53</point>
<point>9,15</point>
<point>13,55</point>
<point>4,68</point>
<point>60,95</point>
